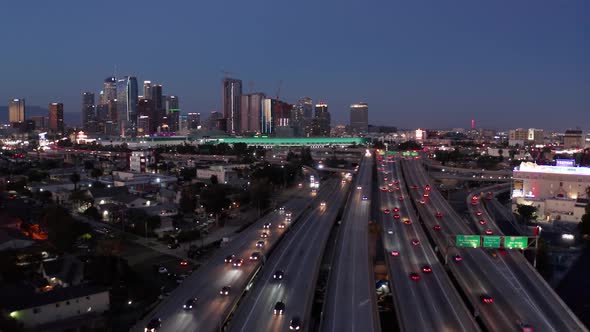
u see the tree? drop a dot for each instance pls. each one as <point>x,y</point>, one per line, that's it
<point>409,145</point>
<point>96,173</point>
<point>75,178</point>
<point>92,213</point>
<point>584,224</point>
<point>501,153</point>
<point>62,229</point>
<point>214,179</point>
<point>526,212</point>
<point>306,158</point>
<point>214,199</point>
<point>188,202</point>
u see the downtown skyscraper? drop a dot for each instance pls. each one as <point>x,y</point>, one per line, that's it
<point>16,110</point>
<point>89,122</point>
<point>359,118</point>
<point>322,120</point>
<point>127,105</point>
<point>56,118</point>
<point>231,102</point>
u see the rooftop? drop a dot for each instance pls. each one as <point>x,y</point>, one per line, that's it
<point>21,297</point>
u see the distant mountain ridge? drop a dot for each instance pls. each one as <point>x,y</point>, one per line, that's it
<point>70,118</point>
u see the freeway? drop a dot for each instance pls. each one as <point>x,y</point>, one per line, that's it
<point>430,303</point>
<point>211,308</point>
<point>542,296</point>
<point>298,257</point>
<point>351,304</point>
<point>478,273</point>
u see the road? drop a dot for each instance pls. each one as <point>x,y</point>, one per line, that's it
<point>212,309</point>
<point>299,256</point>
<point>351,304</point>
<point>479,274</point>
<point>428,304</point>
<point>540,293</point>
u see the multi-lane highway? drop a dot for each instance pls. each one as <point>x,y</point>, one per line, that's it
<point>424,296</point>
<point>350,301</point>
<point>205,284</point>
<point>482,276</point>
<point>298,259</point>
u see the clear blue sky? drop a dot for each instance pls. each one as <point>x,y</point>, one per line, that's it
<point>428,63</point>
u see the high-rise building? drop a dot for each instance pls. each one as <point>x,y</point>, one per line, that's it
<point>148,115</point>
<point>158,100</point>
<point>231,101</point>
<point>88,112</point>
<point>56,118</point>
<point>307,107</point>
<point>16,110</point>
<point>127,105</point>
<point>40,122</point>
<point>573,139</point>
<point>321,121</point>
<point>359,118</point>
<point>172,112</point>
<point>183,124</point>
<point>194,120</point>
<point>214,118</point>
<point>251,108</point>
<point>107,102</point>
<point>147,89</point>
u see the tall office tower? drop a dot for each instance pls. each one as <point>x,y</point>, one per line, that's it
<point>172,112</point>
<point>127,105</point>
<point>214,118</point>
<point>306,105</point>
<point>194,120</point>
<point>321,122</point>
<point>88,112</point>
<point>251,108</point>
<point>16,110</point>
<point>158,101</point>
<point>359,118</point>
<point>231,101</point>
<point>146,112</point>
<point>107,102</point>
<point>183,124</point>
<point>56,118</point>
<point>147,89</point>
<point>298,120</point>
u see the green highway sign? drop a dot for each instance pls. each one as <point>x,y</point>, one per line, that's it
<point>491,241</point>
<point>472,241</point>
<point>519,242</point>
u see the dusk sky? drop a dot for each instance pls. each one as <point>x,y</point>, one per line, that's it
<point>423,63</point>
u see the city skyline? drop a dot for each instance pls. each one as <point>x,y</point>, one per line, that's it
<point>496,64</point>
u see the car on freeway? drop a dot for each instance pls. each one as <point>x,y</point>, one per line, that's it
<point>427,188</point>
<point>525,327</point>
<point>282,209</point>
<point>238,262</point>
<point>439,215</point>
<point>422,201</point>
<point>189,304</point>
<point>487,299</point>
<point>255,256</point>
<point>295,323</point>
<point>426,269</point>
<point>396,216</point>
<point>279,308</point>
<point>387,211</point>
<point>478,213</point>
<point>414,276</point>
<point>183,263</point>
<point>264,235</point>
<point>397,188</point>
<point>162,270</point>
<point>229,259</point>
<point>281,225</point>
<point>396,182</point>
<point>390,184</point>
<point>395,253</point>
<point>482,222</point>
<point>323,204</point>
<point>153,325</point>
<point>391,190</point>
<point>457,258</point>
<point>426,195</point>
<point>278,275</point>
<point>359,187</point>
<point>364,198</point>
<point>266,225</point>
<point>383,189</point>
<point>390,231</point>
<point>396,209</point>
<point>436,227</point>
<point>415,242</point>
<point>414,187</point>
<point>401,198</point>
<point>259,244</point>
<point>225,290</point>
<point>489,232</point>
<point>407,221</point>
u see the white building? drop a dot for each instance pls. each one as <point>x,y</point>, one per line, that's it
<point>554,190</point>
<point>139,161</point>
<point>224,174</point>
<point>36,309</point>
